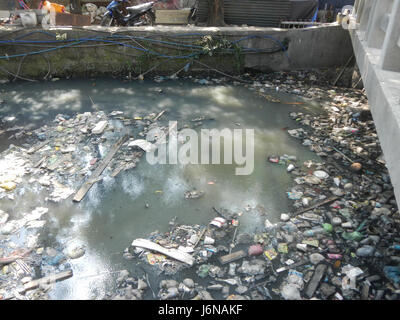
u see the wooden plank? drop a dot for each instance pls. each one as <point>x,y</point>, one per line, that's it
<point>232,257</point>
<point>172,253</point>
<point>316,205</point>
<point>38,147</point>
<point>95,175</point>
<point>315,280</point>
<point>47,280</point>
<point>159,115</point>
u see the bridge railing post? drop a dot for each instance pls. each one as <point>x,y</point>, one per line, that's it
<point>375,34</point>
<point>390,57</point>
<point>366,14</point>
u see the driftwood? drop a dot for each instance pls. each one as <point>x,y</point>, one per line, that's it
<point>201,236</point>
<point>38,147</point>
<point>159,115</point>
<point>47,280</point>
<point>172,253</point>
<point>14,257</point>
<point>316,205</point>
<point>95,175</point>
<point>232,257</point>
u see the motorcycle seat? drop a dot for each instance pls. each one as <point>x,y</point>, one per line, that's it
<point>140,7</point>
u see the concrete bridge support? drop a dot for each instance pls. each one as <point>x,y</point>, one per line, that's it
<point>376,43</point>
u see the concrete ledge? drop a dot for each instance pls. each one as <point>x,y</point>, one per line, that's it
<point>383,91</point>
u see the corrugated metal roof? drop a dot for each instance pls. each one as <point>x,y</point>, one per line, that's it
<point>251,12</point>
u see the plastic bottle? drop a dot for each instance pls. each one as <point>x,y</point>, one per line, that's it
<point>313,232</point>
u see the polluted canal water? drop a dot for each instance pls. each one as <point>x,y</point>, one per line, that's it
<point>144,199</point>
<point>86,214</point>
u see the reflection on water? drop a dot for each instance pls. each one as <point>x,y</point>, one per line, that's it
<point>113,213</point>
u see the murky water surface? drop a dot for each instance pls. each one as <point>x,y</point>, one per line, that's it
<point>113,213</point>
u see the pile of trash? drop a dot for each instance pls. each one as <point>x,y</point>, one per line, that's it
<point>95,12</point>
<point>183,246</point>
<point>58,158</point>
<point>341,240</point>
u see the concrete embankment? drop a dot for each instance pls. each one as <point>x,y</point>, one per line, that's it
<point>97,51</point>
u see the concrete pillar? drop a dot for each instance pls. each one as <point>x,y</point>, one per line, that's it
<point>355,8</point>
<point>375,35</point>
<point>367,12</point>
<point>390,57</point>
<point>360,10</point>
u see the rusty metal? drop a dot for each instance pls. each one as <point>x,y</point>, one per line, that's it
<point>262,13</point>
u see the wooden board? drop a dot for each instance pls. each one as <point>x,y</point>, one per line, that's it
<point>172,253</point>
<point>38,147</point>
<point>47,280</point>
<point>95,175</point>
<point>232,257</point>
<point>315,280</point>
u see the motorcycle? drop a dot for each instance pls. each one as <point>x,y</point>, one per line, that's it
<point>138,15</point>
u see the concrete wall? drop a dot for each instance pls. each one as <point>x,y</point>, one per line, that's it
<point>316,47</point>
<point>376,41</point>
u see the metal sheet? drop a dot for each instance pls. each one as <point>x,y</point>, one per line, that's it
<point>250,12</point>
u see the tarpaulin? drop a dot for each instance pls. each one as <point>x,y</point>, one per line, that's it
<point>303,9</point>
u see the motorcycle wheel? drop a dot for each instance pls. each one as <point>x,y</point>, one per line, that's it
<point>149,18</point>
<point>107,21</point>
